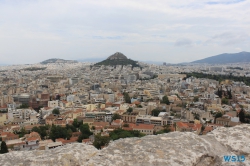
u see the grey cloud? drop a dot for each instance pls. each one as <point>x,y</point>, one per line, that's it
<point>228,38</point>
<point>183,42</point>
<point>108,37</point>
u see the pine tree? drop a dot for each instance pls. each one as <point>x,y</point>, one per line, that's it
<point>4,148</point>
<point>242,116</point>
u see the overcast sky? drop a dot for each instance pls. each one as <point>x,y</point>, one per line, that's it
<point>170,31</point>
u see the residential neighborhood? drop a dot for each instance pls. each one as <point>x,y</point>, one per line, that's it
<point>85,101</point>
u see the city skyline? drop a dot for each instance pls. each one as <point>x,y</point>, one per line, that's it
<point>170,31</point>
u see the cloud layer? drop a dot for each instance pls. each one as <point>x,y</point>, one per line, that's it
<point>168,31</point>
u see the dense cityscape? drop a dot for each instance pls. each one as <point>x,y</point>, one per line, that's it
<point>45,106</point>
<point>125,83</point>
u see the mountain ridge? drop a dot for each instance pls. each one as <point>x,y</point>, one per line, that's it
<point>226,58</point>
<point>57,60</point>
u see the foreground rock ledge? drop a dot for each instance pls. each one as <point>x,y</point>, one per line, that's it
<point>176,148</point>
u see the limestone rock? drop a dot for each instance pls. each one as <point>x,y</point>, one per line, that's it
<point>117,55</point>
<point>176,148</point>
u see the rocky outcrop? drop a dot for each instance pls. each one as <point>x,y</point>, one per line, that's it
<point>117,59</point>
<point>116,56</point>
<point>176,148</point>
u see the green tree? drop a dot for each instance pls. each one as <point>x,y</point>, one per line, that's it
<point>126,125</point>
<point>229,93</point>
<point>156,112</point>
<point>165,100</point>
<point>139,106</point>
<point>101,141</point>
<point>196,116</point>
<point>24,106</point>
<point>41,130</point>
<point>22,132</point>
<point>71,127</point>
<point>196,99</point>
<point>224,101</point>
<point>242,116</point>
<point>76,123</point>
<point>4,148</point>
<point>219,92</point>
<point>85,132</point>
<point>56,111</point>
<point>120,133</point>
<point>59,132</point>
<point>126,97</point>
<point>129,110</point>
<point>116,116</point>
<point>217,115</point>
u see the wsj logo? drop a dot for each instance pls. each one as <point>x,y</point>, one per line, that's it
<point>234,158</point>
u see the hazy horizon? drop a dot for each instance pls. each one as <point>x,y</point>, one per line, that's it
<point>171,32</point>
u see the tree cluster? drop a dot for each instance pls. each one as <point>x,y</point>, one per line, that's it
<point>156,112</point>
<point>166,129</point>
<point>126,97</point>
<point>219,78</point>
<point>4,148</point>
<point>242,116</point>
<point>56,111</point>
<point>224,101</point>
<point>196,99</point>
<point>129,110</point>
<point>165,100</point>
<point>120,133</point>
<point>41,130</point>
<point>101,141</point>
<point>116,116</point>
<point>53,132</point>
<point>59,132</point>
<point>85,132</point>
<point>24,106</point>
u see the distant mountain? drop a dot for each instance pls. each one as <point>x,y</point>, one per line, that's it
<point>226,58</point>
<point>3,64</point>
<point>117,59</point>
<point>55,60</point>
<point>90,60</point>
<point>152,62</point>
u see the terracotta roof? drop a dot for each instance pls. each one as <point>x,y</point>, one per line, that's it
<point>31,139</point>
<point>182,125</point>
<point>85,140</point>
<point>8,134</point>
<point>208,128</point>
<point>98,127</point>
<point>78,110</point>
<point>144,126</point>
<point>103,124</point>
<point>127,128</point>
<point>118,121</point>
<point>136,102</point>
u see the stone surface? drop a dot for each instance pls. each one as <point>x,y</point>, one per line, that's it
<point>174,148</point>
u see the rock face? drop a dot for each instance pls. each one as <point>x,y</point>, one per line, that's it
<point>167,149</point>
<point>116,56</point>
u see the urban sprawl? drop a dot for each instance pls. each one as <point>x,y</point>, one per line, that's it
<point>44,106</point>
